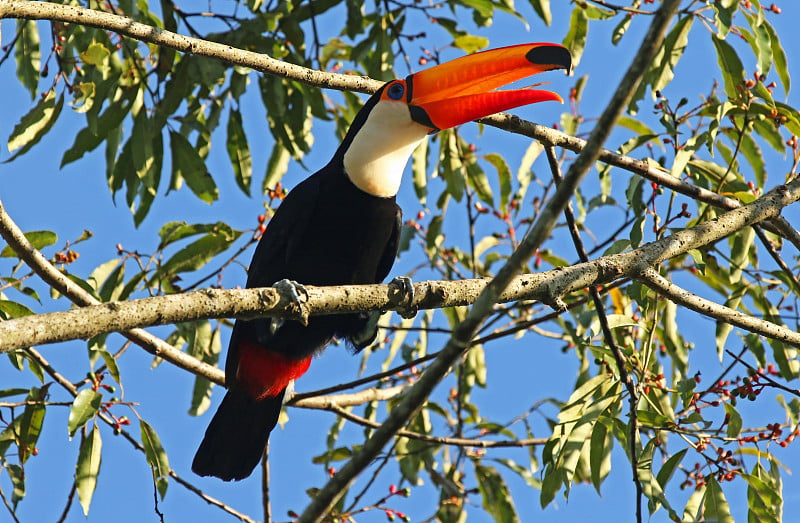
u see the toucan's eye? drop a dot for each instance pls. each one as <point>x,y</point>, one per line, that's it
<point>396,91</point>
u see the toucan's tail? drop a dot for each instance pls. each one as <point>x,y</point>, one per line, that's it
<point>237,435</point>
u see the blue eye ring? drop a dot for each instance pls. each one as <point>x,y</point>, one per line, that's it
<point>396,91</point>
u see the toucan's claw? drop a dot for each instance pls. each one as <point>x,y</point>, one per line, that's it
<point>297,294</point>
<point>403,296</point>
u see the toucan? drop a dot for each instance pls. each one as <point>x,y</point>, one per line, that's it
<point>341,226</point>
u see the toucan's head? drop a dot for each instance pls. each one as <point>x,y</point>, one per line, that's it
<point>397,117</point>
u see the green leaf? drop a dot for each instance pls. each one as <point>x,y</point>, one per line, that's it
<point>478,181</point>
<point>111,364</point>
<point>11,309</point>
<point>723,15</point>
<point>194,256</point>
<point>730,65</point>
<point>277,165</point>
<point>575,40</point>
<point>28,55</point>
<point>172,232</point>
<point>570,444</point>
<point>413,454</point>
<point>734,425</point>
<point>503,177</point>
<point>419,165</point>
<point>92,136</point>
<point>764,501</point>
<point>542,8</point>
<point>674,45</point>
<point>669,467</point>
<point>470,43</point>
<point>760,42</point>
<point>156,457</point>
<point>188,165</point>
<point>38,239</point>
<point>31,421</point>
<point>206,346</point>
<point>239,152</point>
<point>766,130</point>
<point>601,445</point>
<point>35,124</point>
<point>621,29</point>
<point>779,57</point>
<point>17,475</point>
<point>336,454</point>
<point>95,54</point>
<point>451,168</point>
<point>87,469</point>
<point>715,506</point>
<point>84,407</point>
<point>495,494</point>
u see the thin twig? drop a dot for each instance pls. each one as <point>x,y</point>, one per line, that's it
<point>682,297</point>
<point>608,337</point>
<point>440,440</point>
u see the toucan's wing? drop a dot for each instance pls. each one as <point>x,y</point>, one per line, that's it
<point>392,246</point>
<point>273,259</point>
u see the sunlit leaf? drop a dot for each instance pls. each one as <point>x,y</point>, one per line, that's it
<point>87,469</point>
<point>575,40</point>
<point>28,56</point>
<point>84,407</point>
<point>156,457</point>
<point>35,124</point>
<point>730,66</point>
<point>542,8</point>
<point>715,506</point>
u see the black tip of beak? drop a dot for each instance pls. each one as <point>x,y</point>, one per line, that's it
<point>551,55</point>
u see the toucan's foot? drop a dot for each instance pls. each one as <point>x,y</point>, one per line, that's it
<point>297,294</point>
<point>403,296</point>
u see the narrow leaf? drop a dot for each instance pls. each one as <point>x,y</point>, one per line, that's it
<point>239,152</point>
<point>715,506</point>
<point>496,496</point>
<point>28,55</point>
<point>730,65</point>
<point>88,468</point>
<point>542,8</point>
<point>156,457</point>
<point>188,165</point>
<point>35,124</point>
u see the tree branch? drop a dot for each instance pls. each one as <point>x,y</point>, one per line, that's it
<point>682,297</point>
<point>440,440</point>
<point>145,33</point>
<point>547,287</point>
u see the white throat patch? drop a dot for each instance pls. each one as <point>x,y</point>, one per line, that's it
<point>380,150</point>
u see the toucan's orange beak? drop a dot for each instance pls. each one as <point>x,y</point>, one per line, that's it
<point>464,89</point>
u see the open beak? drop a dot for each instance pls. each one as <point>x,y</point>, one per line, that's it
<point>464,89</point>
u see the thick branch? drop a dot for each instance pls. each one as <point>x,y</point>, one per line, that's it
<point>547,287</point>
<point>145,33</point>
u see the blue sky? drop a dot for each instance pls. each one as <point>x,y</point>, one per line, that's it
<point>40,196</point>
